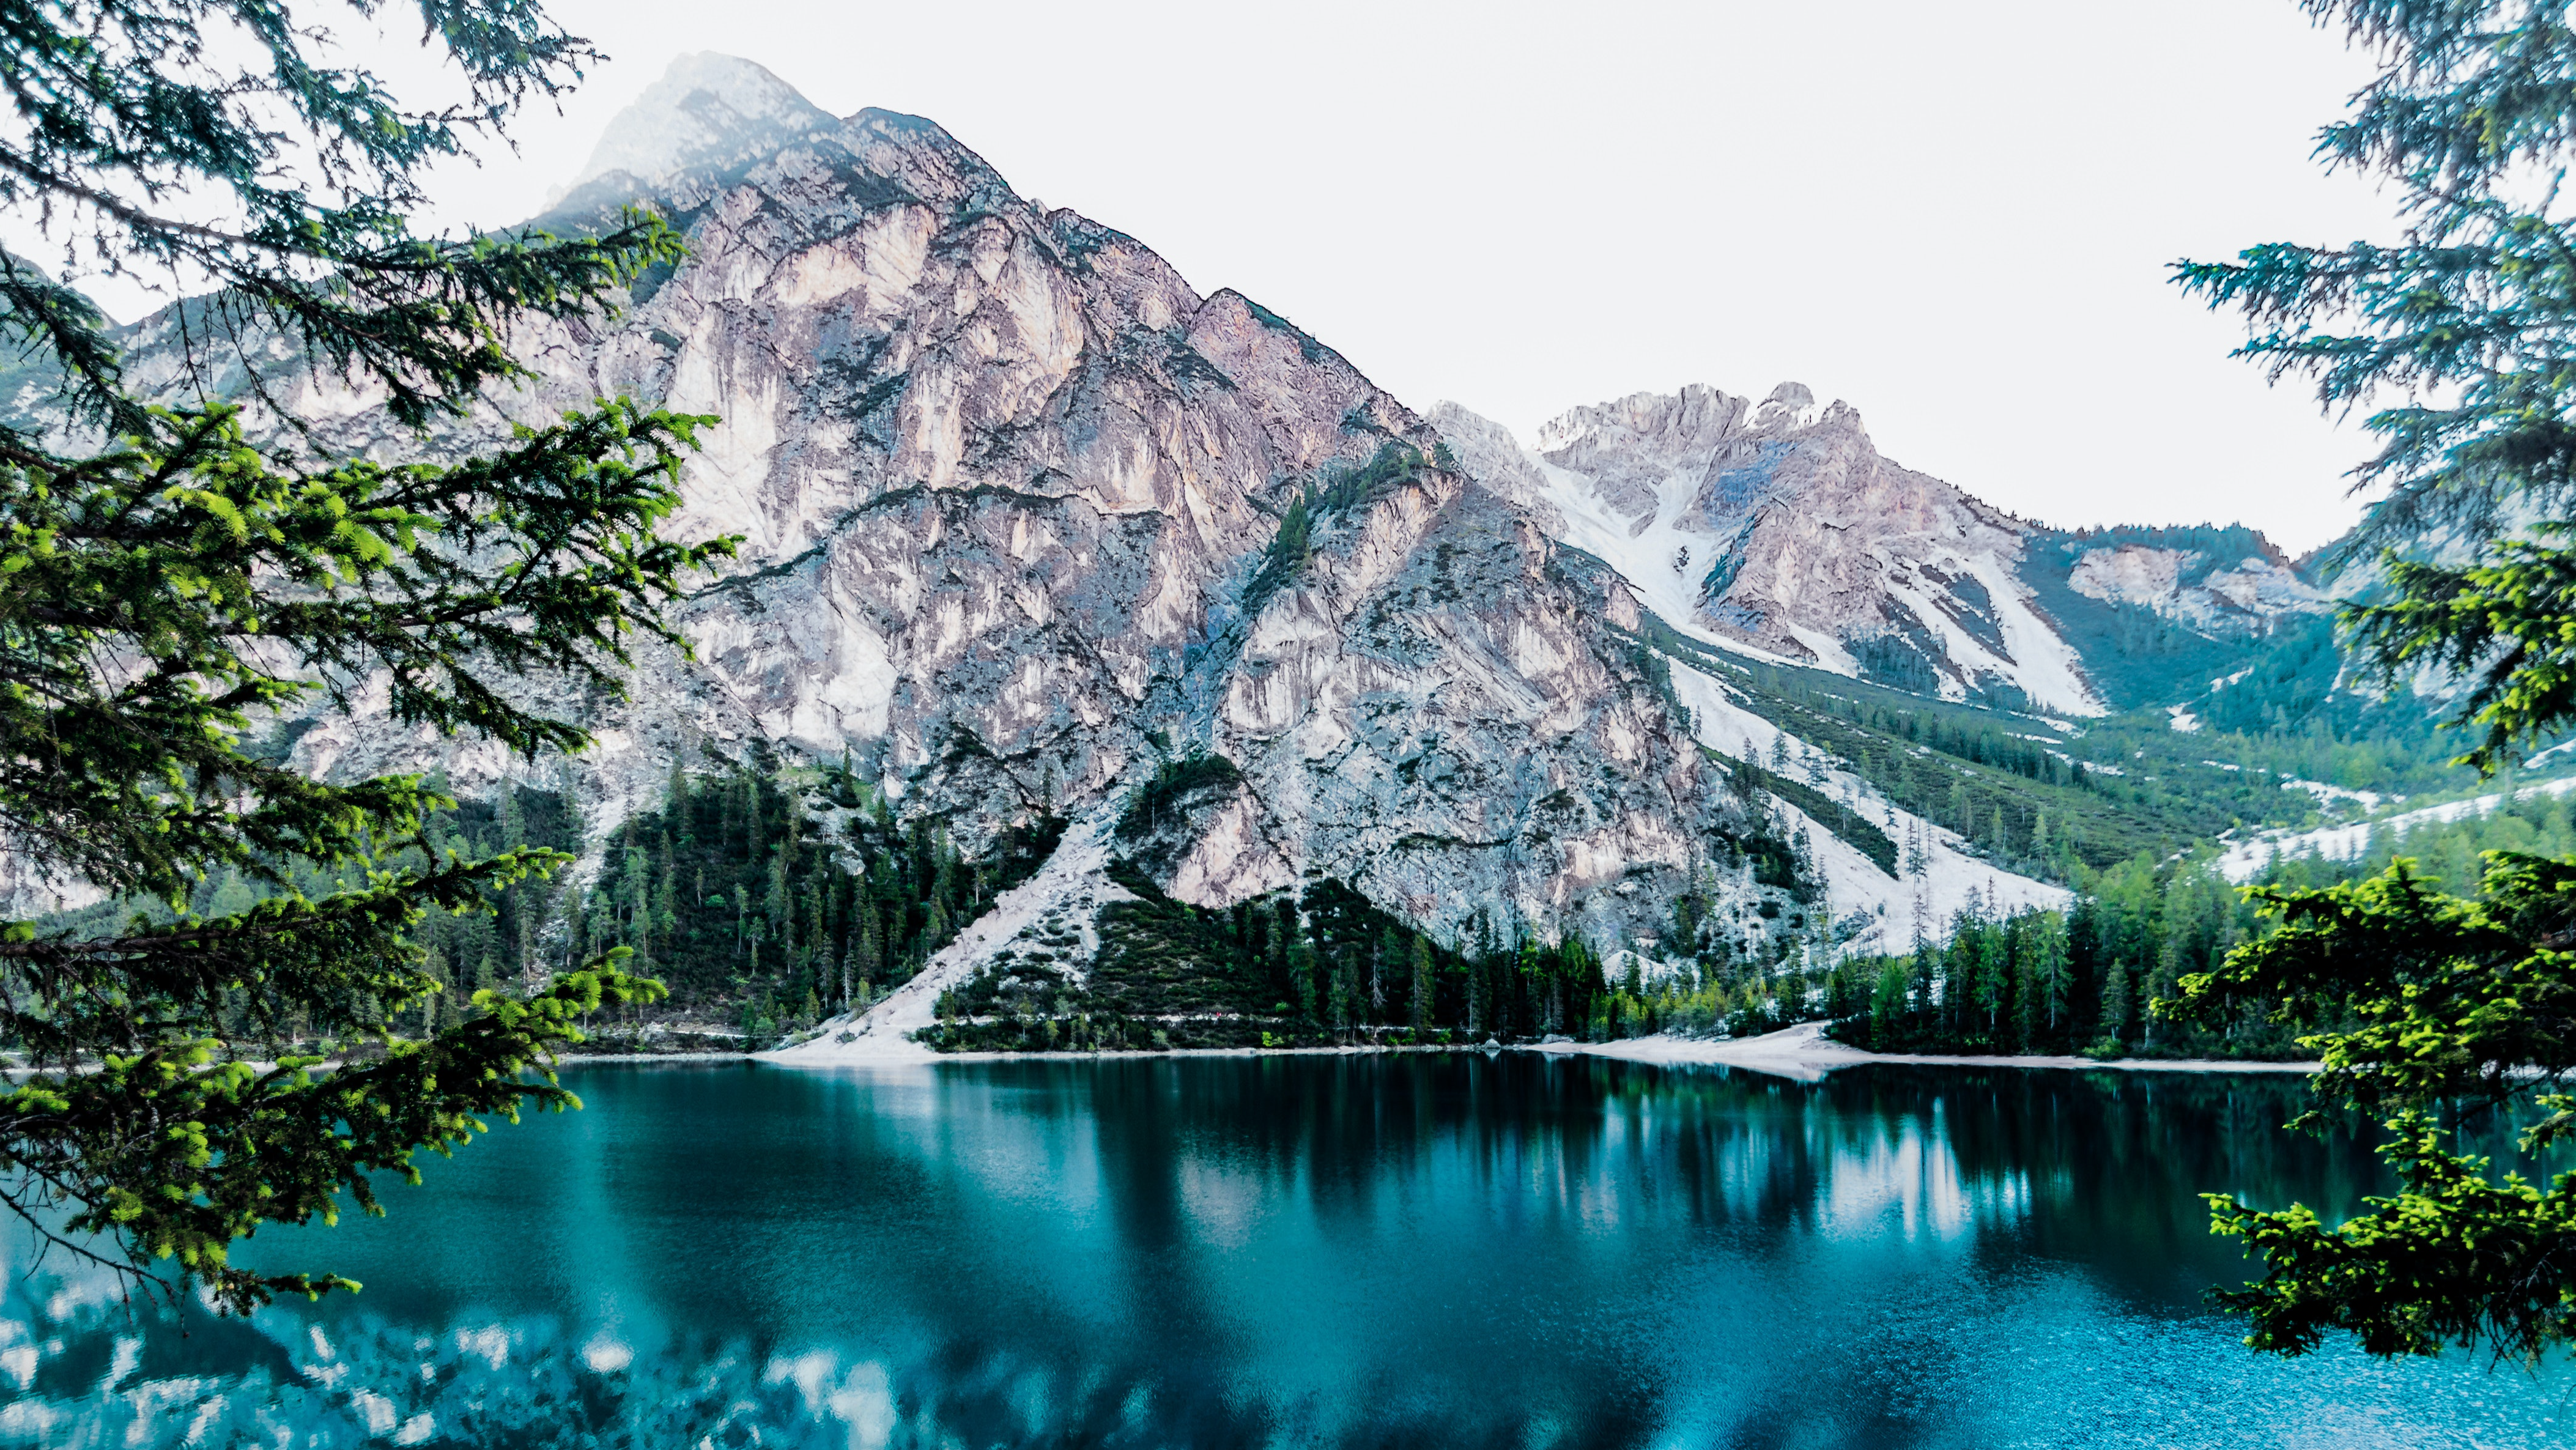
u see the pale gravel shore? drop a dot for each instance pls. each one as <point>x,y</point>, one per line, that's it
<point>1805,1053</point>
<point>576,1059</point>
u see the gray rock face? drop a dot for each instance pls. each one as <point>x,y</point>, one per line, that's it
<point>2246,595</point>
<point>1004,478</point>
<point>1777,527</point>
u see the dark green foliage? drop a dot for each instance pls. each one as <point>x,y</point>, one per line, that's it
<point>224,581</point>
<point>730,895</point>
<point>1340,492</point>
<point>535,559</point>
<point>1172,782</point>
<point>1161,957</point>
<point>2467,319</point>
<point>2422,1004</point>
<point>2419,1004</point>
<point>1863,834</point>
<point>2133,655</point>
<point>1897,663</point>
<point>2465,123</point>
<point>2054,982</point>
<point>2507,627</point>
<point>125,108</point>
<point>1322,968</point>
<point>2085,799</point>
<point>1307,347</point>
<point>168,599</point>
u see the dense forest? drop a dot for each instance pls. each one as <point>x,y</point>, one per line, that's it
<point>468,951</point>
<point>736,900</point>
<point>2080,980</point>
<point>1310,969</point>
<point>1326,966</point>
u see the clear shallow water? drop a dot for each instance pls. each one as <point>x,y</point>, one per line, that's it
<point>1341,1251</point>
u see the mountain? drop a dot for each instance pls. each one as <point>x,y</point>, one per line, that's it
<point>1043,545</point>
<point>708,112</point>
<point>1013,497</point>
<point>1777,529</point>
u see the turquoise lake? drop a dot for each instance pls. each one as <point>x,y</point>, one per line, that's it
<point>1360,1250</point>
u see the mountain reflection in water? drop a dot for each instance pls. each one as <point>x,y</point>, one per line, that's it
<point>1431,1250</point>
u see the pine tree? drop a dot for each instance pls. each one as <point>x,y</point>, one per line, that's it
<point>1422,988</point>
<point>2421,1003</point>
<point>183,530</point>
<point>2119,1005</point>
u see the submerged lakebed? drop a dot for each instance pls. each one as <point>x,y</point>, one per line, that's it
<point>1424,1249</point>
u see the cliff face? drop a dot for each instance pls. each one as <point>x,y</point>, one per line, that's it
<point>1010,490</point>
<point>1777,527</point>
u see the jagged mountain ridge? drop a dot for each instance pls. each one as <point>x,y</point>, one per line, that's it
<point>1007,483</point>
<point>1776,528</point>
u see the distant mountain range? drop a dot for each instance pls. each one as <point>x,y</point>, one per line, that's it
<point>1776,528</point>
<point>1032,524</point>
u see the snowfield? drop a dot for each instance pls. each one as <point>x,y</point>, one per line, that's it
<point>2246,859</point>
<point>1073,884</point>
<point>1952,879</point>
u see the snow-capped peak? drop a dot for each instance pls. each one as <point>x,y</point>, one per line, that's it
<point>1776,529</point>
<point>706,110</point>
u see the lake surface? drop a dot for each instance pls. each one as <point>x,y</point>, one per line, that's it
<point>1450,1251</point>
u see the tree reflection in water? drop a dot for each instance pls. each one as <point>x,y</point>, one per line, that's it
<point>1435,1250</point>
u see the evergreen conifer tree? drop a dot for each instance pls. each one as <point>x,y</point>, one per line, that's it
<point>1422,987</point>
<point>2419,1002</point>
<point>2119,1005</point>
<point>236,581</point>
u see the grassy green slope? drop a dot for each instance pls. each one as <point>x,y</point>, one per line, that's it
<point>2060,803</point>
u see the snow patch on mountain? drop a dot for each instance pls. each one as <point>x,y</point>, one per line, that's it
<point>1776,529</point>
<point>2244,860</point>
<point>1952,879</point>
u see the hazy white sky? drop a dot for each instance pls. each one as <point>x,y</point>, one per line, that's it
<point>1956,217</point>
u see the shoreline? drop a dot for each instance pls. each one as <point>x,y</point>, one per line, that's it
<point>1805,1053</point>
<point>1802,1052</point>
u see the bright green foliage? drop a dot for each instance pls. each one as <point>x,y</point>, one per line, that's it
<point>173,602</point>
<point>2445,1003</point>
<point>2506,626</point>
<point>192,562</point>
<point>155,603</point>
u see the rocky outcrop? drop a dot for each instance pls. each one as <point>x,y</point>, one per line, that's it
<point>1011,492</point>
<point>2184,585</point>
<point>1777,527</point>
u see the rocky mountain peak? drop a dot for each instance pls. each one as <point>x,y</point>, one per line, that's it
<point>1778,528</point>
<point>707,110</point>
<point>1015,503</point>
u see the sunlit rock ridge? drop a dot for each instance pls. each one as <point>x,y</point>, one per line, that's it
<point>1006,481</point>
<point>1776,528</point>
